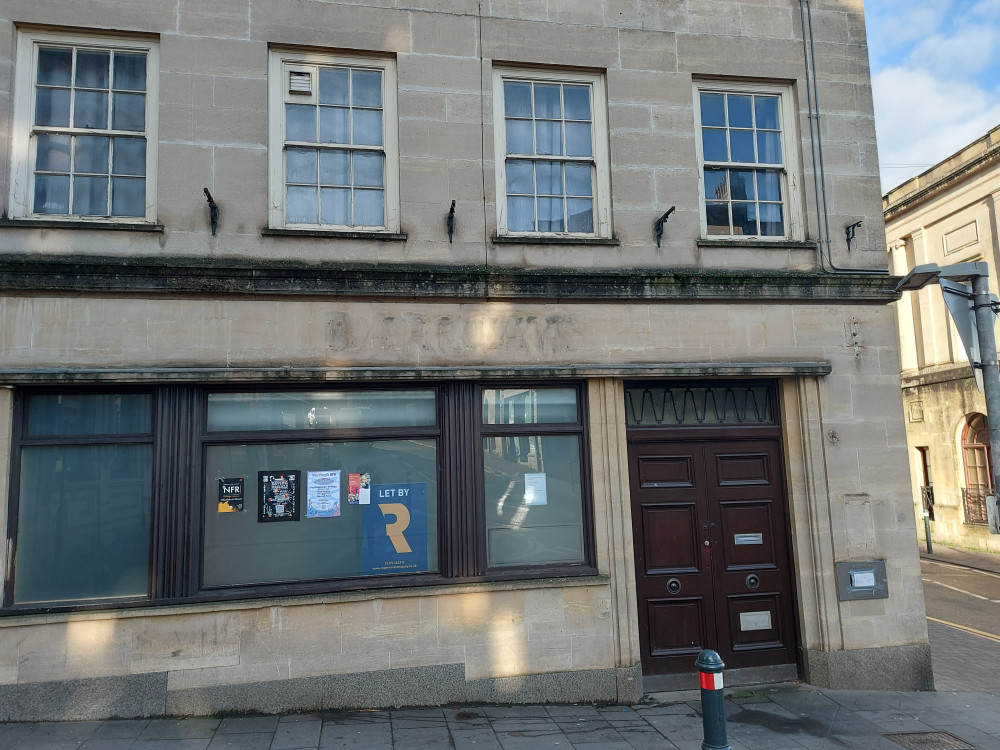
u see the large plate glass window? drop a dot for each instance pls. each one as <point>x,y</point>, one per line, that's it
<point>314,485</point>
<point>86,117</point>
<point>333,142</point>
<point>552,156</point>
<point>84,498</point>
<point>533,476</point>
<point>745,161</point>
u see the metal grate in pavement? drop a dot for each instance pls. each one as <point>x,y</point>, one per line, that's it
<point>929,741</point>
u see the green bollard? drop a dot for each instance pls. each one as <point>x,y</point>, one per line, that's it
<point>713,709</point>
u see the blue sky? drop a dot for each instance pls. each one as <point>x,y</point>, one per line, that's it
<point>936,79</point>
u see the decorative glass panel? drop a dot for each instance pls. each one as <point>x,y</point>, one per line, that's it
<point>659,405</point>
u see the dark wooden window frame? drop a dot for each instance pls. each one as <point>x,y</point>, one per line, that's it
<point>180,438</point>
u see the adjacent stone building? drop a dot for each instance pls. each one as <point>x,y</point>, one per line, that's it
<point>946,215</point>
<point>386,353</point>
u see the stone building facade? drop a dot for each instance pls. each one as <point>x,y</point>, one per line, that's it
<point>385,353</point>
<point>946,215</point>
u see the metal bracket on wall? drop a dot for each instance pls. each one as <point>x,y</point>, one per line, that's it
<point>658,224</point>
<point>213,211</point>
<point>451,222</point>
<point>849,233</point>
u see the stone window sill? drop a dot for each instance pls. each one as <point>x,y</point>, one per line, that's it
<point>343,234</point>
<point>759,243</point>
<point>114,226</point>
<point>517,239</point>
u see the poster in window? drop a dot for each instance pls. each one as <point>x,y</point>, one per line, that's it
<point>394,530</point>
<point>359,489</point>
<point>535,492</point>
<point>279,496</point>
<point>322,494</point>
<point>231,495</point>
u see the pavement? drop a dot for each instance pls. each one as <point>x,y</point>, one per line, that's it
<point>961,713</point>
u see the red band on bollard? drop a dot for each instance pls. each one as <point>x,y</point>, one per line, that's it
<point>711,681</point>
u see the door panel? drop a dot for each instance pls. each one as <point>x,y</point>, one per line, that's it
<point>712,553</point>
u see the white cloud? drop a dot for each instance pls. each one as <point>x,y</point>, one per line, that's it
<point>966,52</point>
<point>922,119</point>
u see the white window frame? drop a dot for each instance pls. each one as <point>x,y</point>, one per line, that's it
<point>789,169</point>
<point>22,187</point>
<point>601,158</point>
<point>281,63</point>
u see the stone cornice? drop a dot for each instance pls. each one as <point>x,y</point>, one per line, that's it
<point>20,273</point>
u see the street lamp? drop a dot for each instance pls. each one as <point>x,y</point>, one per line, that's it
<point>974,312</point>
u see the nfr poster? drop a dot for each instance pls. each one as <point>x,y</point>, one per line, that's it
<point>278,496</point>
<point>394,528</point>
<point>231,495</point>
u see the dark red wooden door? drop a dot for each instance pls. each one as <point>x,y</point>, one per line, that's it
<point>712,554</point>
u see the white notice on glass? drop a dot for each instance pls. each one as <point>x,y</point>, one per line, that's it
<point>534,490</point>
<point>863,579</point>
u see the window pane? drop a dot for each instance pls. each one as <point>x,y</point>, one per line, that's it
<point>548,178</point>
<point>51,194</point>
<point>55,66</point>
<point>769,185</point>
<point>128,196</point>
<point>52,153</point>
<point>550,215</point>
<point>130,112</point>
<point>741,185</point>
<point>90,414</point>
<point>92,154</point>
<point>333,125</point>
<point>129,156</point>
<point>367,127</point>
<point>713,110</point>
<point>766,109</point>
<point>90,109</point>
<point>336,206</point>
<point>578,139</point>
<point>740,114</point>
<point>517,99</point>
<point>771,224</point>
<point>581,215</point>
<point>578,179</point>
<point>130,71</point>
<point>353,543</point>
<point>369,208</point>
<point>769,148</point>
<point>300,123</point>
<point>519,137</point>
<point>92,69</point>
<point>717,216</point>
<point>548,138</point>
<point>745,219</point>
<point>713,144</point>
<point>519,177</point>
<point>547,101</point>
<point>335,168</point>
<point>520,214</point>
<point>333,84</point>
<point>300,205</point>
<point>534,500</point>
<point>83,523</point>
<point>716,185</point>
<point>741,143</point>
<point>90,196</point>
<point>366,88</point>
<point>529,405</point>
<point>368,168</point>
<point>300,166</point>
<point>577,101</point>
<point>299,410</point>
<point>52,107</point>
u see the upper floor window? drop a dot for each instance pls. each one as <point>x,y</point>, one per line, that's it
<point>552,174</point>
<point>333,153</point>
<point>745,160</point>
<point>84,128</point>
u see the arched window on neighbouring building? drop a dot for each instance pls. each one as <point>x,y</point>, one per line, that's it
<point>978,471</point>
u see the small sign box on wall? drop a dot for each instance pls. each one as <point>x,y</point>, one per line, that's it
<point>862,580</point>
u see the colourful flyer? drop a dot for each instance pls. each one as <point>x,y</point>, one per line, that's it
<point>322,494</point>
<point>231,495</point>
<point>353,489</point>
<point>278,498</point>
